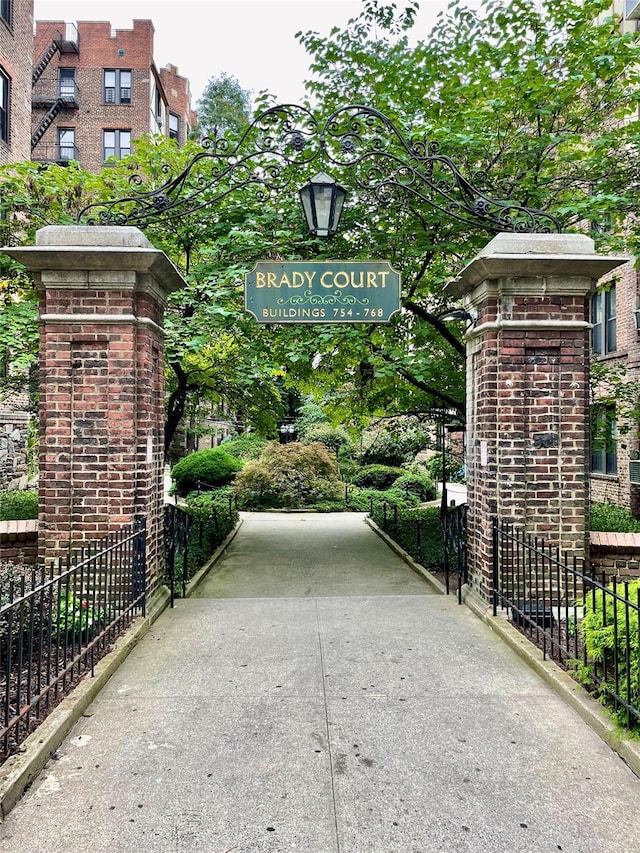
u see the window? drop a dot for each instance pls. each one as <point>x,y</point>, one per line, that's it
<point>66,143</point>
<point>5,11</point>
<point>117,86</point>
<point>67,83</point>
<point>604,438</point>
<point>174,127</point>
<point>4,107</point>
<point>603,318</point>
<point>116,143</point>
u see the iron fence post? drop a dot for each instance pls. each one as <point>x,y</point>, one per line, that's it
<point>494,592</point>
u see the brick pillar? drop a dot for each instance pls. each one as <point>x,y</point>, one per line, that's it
<point>528,390</point>
<point>102,296</point>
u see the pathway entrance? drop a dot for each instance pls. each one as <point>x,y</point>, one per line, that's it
<point>323,701</point>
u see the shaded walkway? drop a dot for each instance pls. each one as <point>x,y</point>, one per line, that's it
<point>324,701</point>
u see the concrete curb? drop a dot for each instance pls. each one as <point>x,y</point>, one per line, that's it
<point>589,709</point>
<point>202,573</point>
<point>417,568</point>
<point>19,771</point>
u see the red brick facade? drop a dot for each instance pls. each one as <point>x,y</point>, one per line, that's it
<point>92,106</point>
<point>615,487</point>
<point>16,61</point>
<point>19,542</point>
<point>528,394</point>
<point>101,384</point>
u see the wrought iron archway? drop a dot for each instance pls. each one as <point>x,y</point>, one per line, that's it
<point>285,139</point>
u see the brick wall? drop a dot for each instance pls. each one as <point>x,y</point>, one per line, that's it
<point>16,60</point>
<point>616,554</point>
<point>528,391</point>
<point>19,542</point>
<point>616,488</point>
<point>178,92</point>
<point>102,47</point>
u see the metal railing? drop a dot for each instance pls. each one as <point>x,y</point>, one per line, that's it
<point>454,529</point>
<point>588,622</point>
<point>56,623</point>
<point>190,538</point>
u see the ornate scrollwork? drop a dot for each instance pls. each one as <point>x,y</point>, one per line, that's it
<point>358,139</point>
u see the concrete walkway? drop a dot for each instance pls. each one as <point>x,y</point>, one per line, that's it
<point>316,698</point>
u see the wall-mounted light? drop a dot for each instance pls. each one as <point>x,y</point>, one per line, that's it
<point>470,316</point>
<point>322,199</point>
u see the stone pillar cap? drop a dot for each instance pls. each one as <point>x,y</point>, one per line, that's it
<point>516,256</point>
<point>102,248</point>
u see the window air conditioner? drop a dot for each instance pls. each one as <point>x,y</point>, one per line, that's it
<point>634,472</point>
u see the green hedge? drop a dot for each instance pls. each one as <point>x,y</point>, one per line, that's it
<point>212,517</point>
<point>377,476</point>
<point>214,468</point>
<point>611,518</point>
<point>18,505</point>
<point>417,530</point>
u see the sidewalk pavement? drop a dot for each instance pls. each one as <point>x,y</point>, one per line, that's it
<point>315,697</point>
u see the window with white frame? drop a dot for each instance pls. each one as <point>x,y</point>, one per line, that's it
<point>5,92</point>
<point>603,319</point>
<point>67,83</point>
<point>174,127</point>
<point>66,143</point>
<point>604,439</point>
<point>117,86</point>
<point>116,143</point>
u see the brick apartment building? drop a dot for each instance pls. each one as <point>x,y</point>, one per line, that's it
<point>615,341</point>
<point>96,89</point>
<point>16,61</point>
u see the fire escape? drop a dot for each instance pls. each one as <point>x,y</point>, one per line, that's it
<point>54,97</point>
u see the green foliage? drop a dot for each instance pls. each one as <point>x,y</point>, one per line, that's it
<point>418,531</point>
<point>452,468</point>
<point>76,616</point>
<point>334,438</point>
<point>18,504</point>
<point>212,516</point>
<point>310,414</point>
<point>289,475</point>
<point>422,487</point>
<point>360,499</point>
<point>394,444</point>
<point>225,107</point>
<point>378,477</point>
<point>612,518</point>
<point>211,467</point>
<point>611,634</point>
<point>246,446</point>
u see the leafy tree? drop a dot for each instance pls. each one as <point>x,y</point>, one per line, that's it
<point>225,107</point>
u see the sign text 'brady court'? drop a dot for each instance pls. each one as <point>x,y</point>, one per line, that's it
<point>322,292</point>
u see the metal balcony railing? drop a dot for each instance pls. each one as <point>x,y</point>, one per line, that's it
<point>55,153</point>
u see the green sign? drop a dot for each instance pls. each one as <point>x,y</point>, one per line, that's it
<point>322,292</point>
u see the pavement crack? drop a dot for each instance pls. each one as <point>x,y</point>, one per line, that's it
<point>328,730</point>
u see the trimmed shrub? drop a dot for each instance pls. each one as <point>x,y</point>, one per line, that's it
<point>246,446</point>
<point>18,505</point>
<point>612,519</point>
<point>289,475</point>
<point>212,467</point>
<point>420,486</point>
<point>378,477</point>
<point>360,499</point>
<point>418,531</point>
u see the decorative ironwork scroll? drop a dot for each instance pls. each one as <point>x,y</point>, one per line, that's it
<point>284,140</point>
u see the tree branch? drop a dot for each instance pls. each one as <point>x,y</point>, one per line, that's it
<point>441,327</point>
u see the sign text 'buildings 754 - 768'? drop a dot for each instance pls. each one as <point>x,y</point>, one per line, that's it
<point>322,292</point>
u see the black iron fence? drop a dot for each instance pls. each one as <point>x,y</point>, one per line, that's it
<point>191,535</point>
<point>585,621</point>
<point>435,540</point>
<point>56,623</point>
